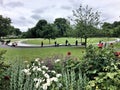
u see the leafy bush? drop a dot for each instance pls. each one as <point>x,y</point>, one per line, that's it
<point>102,68</point>
<point>3,67</point>
<point>96,59</point>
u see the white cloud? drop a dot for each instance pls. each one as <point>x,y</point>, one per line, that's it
<point>25,13</point>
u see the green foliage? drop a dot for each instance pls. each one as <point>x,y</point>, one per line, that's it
<point>3,66</point>
<point>116,31</point>
<point>103,68</point>
<point>111,29</point>
<point>31,76</point>
<point>62,25</point>
<point>96,59</point>
<point>85,20</point>
<point>4,25</point>
<point>49,32</point>
<point>109,79</point>
<point>72,82</point>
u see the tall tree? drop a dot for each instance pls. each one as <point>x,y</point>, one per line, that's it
<point>4,25</point>
<point>116,31</point>
<point>49,32</point>
<point>62,26</point>
<point>85,18</point>
<point>39,28</point>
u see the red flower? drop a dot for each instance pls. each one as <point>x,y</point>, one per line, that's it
<point>117,53</point>
<point>111,43</point>
<point>7,77</point>
<point>68,53</point>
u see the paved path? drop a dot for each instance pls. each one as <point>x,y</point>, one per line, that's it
<point>20,44</point>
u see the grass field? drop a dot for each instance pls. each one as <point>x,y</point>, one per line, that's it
<point>62,40</point>
<point>32,53</point>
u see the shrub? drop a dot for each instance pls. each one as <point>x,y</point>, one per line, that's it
<point>96,59</point>
<point>3,67</point>
<point>102,68</point>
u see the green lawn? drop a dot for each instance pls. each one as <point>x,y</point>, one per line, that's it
<point>62,40</point>
<point>117,45</point>
<point>32,53</point>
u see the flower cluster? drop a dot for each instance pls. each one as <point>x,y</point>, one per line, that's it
<point>117,54</point>
<point>41,75</point>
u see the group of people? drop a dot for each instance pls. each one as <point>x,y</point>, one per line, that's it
<point>101,44</point>
<point>66,43</point>
<point>3,42</point>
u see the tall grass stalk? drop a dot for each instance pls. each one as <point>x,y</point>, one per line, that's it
<point>74,81</point>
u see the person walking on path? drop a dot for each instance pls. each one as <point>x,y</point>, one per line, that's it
<point>76,42</point>
<point>66,42</point>
<point>42,44</point>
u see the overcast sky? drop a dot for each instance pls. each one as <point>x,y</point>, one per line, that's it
<point>26,13</point>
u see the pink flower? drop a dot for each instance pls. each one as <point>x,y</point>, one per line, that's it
<point>116,53</point>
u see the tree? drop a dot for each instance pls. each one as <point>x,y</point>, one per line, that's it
<point>37,30</point>
<point>49,32</point>
<point>17,31</point>
<point>111,29</point>
<point>14,31</point>
<point>85,19</point>
<point>116,31</point>
<point>4,25</point>
<point>62,26</point>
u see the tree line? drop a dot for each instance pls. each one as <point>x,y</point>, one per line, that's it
<point>86,22</point>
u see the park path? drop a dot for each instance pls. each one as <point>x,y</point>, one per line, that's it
<point>20,44</point>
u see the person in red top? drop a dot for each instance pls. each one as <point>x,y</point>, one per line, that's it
<point>100,45</point>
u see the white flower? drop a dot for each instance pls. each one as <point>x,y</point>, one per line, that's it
<point>27,71</point>
<point>35,79</point>
<point>35,68</point>
<point>42,62</point>
<point>39,69</point>
<point>44,67</point>
<point>48,82</point>
<point>54,79</point>
<point>37,59</point>
<point>53,71</point>
<point>33,64</point>
<point>59,85</point>
<point>44,86</point>
<point>58,60</point>
<point>38,82</point>
<point>46,75</point>
<point>58,75</point>
<point>28,66</point>
<point>43,72</point>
